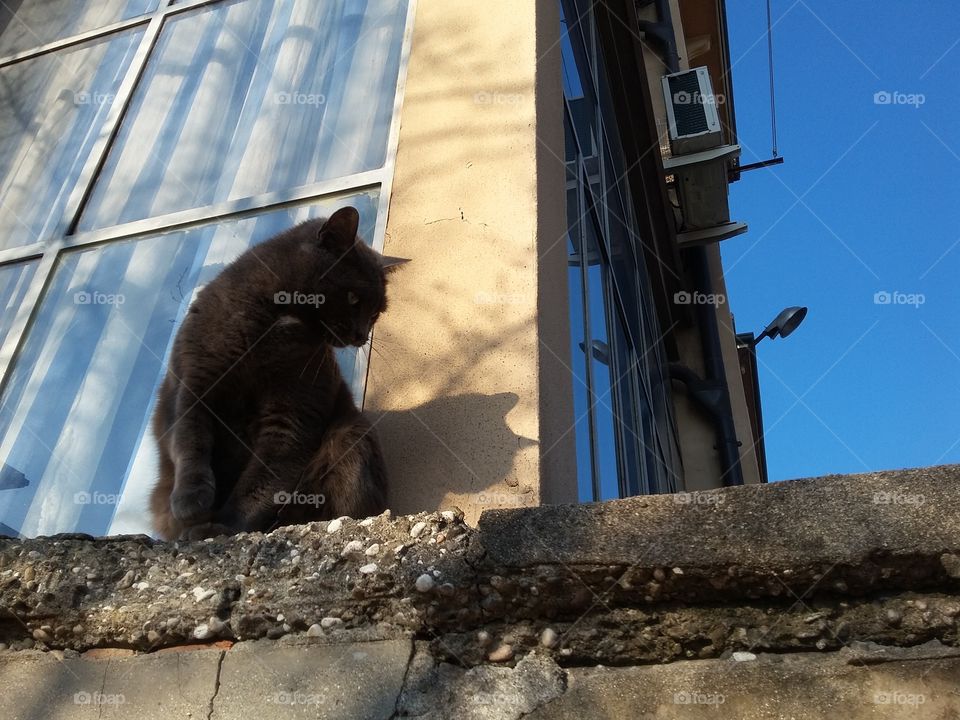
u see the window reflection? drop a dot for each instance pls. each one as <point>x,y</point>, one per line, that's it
<point>26,24</point>
<point>52,110</point>
<point>625,434</point>
<point>14,282</point>
<point>242,98</point>
<point>75,453</point>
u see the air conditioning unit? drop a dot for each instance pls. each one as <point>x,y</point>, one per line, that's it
<point>692,111</point>
<point>699,159</point>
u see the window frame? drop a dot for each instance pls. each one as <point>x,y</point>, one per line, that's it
<point>63,238</point>
<point>637,361</point>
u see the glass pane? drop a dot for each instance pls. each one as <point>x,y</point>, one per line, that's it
<point>52,110</point>
<point>572,87</point>
<point>14,283</point>
<point>75,452</point>
<point>242,98</point>
<point>26,24</point>
<point>626,396</point>
<point>601,398</point>
<point>581,403</point>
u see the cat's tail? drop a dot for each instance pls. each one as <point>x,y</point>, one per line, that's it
<point>349,470</point>
<point>165,524</point>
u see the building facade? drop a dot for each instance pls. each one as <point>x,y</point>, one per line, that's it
<point>547,342</point>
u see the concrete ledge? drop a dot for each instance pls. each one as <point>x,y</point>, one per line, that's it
<point>803,565</point>
<point>878,530</point>
<point>377,681</point>
<point>769,688</point>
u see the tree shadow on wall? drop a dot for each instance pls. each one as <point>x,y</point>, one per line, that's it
<point>436,446</point>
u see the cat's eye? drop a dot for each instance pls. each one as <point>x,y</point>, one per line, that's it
<point>352,298</point>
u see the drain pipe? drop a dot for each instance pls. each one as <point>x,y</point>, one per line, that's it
<point>716,377</point>
<point>727,444</point>
<point>661,30</point>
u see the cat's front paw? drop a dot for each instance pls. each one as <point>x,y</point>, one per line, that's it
<point>204,531</point>
<point>191,501</point>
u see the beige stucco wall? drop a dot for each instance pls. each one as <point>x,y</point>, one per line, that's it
<point>468,380</point>
<point>731,364</point>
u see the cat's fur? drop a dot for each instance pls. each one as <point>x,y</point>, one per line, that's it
<point>254,423</point>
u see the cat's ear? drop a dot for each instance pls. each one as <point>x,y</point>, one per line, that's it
<point>340,231</point>
<point>389,263</point>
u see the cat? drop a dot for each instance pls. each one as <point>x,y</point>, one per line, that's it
<point>255,426</point>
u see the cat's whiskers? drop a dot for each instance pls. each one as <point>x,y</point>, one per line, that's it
<point>310,360</point>
<point>375,349</point>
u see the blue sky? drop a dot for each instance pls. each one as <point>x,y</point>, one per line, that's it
<point>867,202</point>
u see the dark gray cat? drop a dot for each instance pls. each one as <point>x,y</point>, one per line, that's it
<point>255,425</point>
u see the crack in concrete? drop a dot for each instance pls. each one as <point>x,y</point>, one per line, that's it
<point>406,677</point>
<point>103,686</point>
<point>216,685</point>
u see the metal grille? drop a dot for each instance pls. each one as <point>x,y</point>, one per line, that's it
<point>688,102</point>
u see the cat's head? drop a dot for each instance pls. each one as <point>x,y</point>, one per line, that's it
<point>349,284</point>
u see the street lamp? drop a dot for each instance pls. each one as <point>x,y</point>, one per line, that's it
<point>783,324</point>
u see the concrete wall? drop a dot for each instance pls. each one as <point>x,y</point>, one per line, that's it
<point>469,374</point>
<point>836,597</point>
<point>731,364</point>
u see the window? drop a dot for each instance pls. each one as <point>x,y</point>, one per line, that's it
<point>143,146</point>
<point>625,430</point>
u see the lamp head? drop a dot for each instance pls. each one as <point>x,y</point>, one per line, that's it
<point>783,324</point>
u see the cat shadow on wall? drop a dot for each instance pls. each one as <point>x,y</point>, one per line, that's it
<point>432,451</point>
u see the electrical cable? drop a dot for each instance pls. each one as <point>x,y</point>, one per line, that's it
<point>773,97</point>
